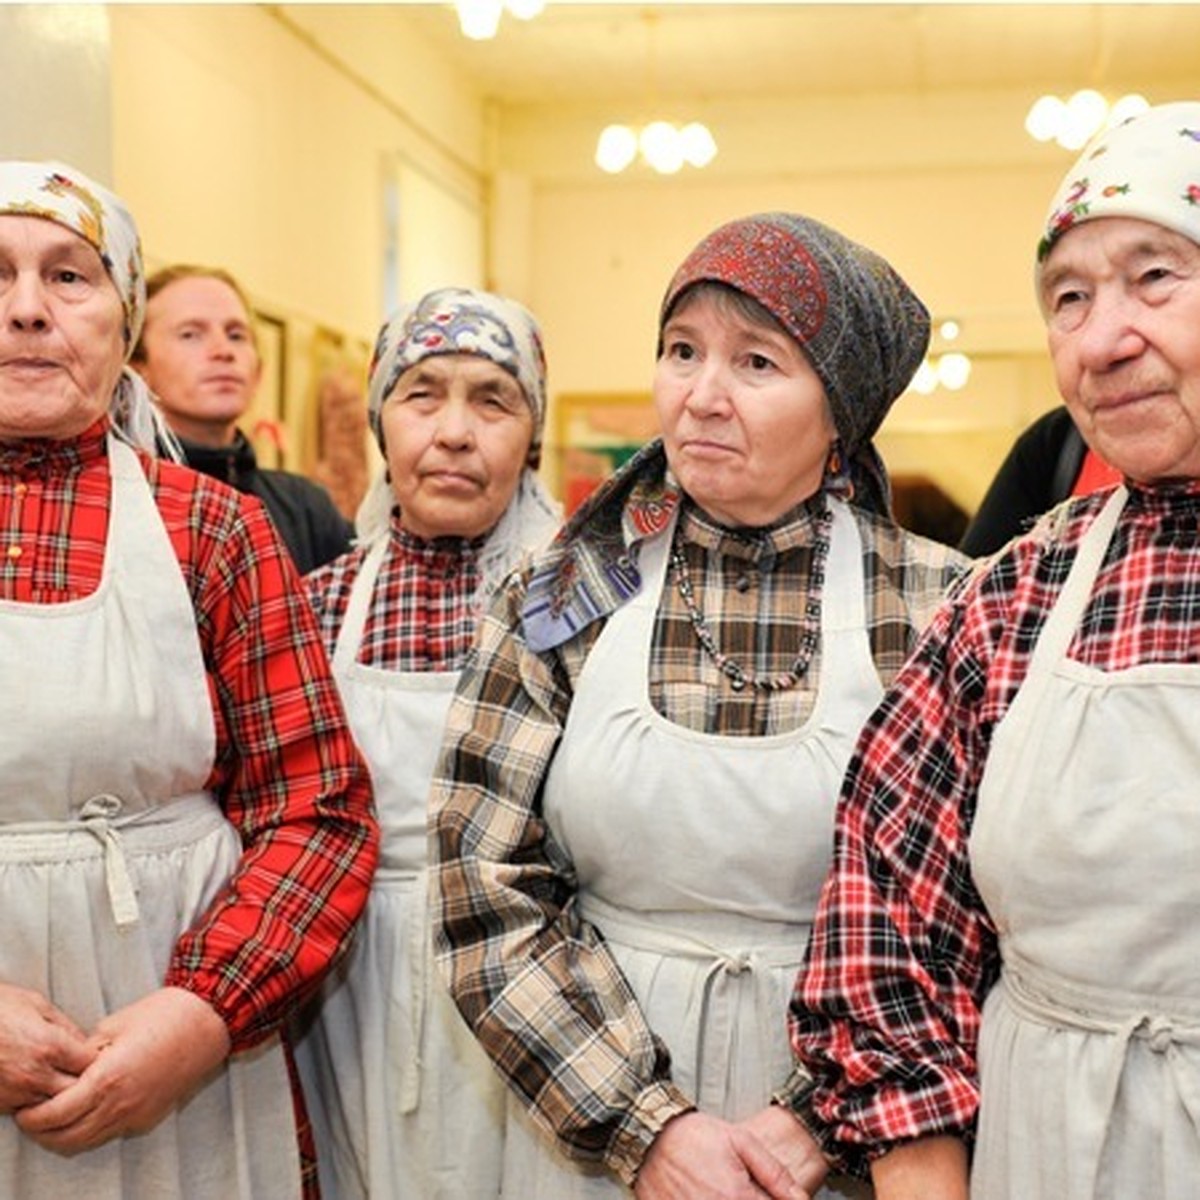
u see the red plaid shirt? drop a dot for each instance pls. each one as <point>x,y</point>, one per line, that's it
<point>286,772</point>
<point>886,1014</point>
<point>420,616</point>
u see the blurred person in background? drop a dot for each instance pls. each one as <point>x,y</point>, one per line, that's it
<point>199,354</point>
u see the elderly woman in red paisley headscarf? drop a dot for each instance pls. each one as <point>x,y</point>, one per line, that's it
<point>186,838</point>
<point>634,809</point>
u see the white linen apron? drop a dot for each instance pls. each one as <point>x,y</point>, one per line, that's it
<point>1085,849</point>
<point>701,858</point>
<point>110,849</point>
<point>404,1103</point>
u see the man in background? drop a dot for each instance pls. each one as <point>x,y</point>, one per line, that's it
<point>199,356</point>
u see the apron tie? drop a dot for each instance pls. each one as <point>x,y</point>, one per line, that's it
<point>97,816</point>
<point>624,927</point>
<point>1163,1035</point>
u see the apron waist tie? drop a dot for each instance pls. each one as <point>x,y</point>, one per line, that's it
<point>97,816</point>
<point>1033,995</point>
<point>621,927</point>
<point>1036,999</point>
<point>100,818</point>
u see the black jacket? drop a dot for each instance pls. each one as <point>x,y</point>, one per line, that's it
<point>1039,472</point>
<point>302,511</point>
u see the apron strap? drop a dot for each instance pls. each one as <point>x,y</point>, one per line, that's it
<point>349,639</point>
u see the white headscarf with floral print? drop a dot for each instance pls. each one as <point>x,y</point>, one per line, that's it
<point>1147,167</point>
<point>53,191</point>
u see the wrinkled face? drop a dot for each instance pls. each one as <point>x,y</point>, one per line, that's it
<point>1121,299</point>
<point>456,433</point>
<point>199,357</point>
<point>745,422</point>
<point>62,339</point>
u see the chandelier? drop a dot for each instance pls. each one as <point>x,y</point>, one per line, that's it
<point>664,146</point>
<point>1074,121</point>
<point>480,19</point>
<point>950,370</point>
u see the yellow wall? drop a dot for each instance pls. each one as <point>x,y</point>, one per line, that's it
<point>54,89</point>
<point>243,137</point>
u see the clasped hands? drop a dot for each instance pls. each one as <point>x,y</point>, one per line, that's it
<point>700,1157</point>
<point>71,1091</point>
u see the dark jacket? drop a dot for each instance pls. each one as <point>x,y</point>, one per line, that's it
<point>302,511</point>
<point>1039,472</point>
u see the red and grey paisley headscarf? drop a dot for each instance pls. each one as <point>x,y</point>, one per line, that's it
<point>861,326</point>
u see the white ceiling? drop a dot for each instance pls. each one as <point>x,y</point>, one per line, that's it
<point>587,52</point>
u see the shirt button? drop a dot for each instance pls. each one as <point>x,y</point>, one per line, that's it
<point>742,583</point>
<point>21,489</point>
<point>15,552</point>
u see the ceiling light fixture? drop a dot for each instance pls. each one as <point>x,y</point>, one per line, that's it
<point>664,146</point>
<point>950,371</point>
<point>1074,121</point>
<point>480,19</point>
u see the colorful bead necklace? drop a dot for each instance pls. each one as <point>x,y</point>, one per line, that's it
<point>810,634</point>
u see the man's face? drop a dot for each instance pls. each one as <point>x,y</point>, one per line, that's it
<point>200,358</point>
<point>1122,304</point>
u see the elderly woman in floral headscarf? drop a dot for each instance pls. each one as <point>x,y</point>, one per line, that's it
<point>1008,949</point>
<point>634,808</point>
<point>185,831</point>
<point>404,1103</point>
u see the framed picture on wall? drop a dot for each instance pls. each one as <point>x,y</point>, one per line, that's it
<point>596,434</point>
<point>265,423</point>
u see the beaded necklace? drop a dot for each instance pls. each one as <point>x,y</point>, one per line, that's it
<point>738,676</point>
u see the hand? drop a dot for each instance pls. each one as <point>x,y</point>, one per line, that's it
<point>794,1147</point>
<point>42,1050</point>
<point>149,1056</point>
<point>698,1157</point>
<point>931,1168</point>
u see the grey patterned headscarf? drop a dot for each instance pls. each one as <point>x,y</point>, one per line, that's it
<point>861,326</point>
<point>56,192</point>
<point>462,321</point>
<point>466,321</point>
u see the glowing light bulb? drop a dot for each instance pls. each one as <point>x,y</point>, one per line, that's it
<point>479,19</point>
<point>699,147</point>
<point>925,380</point>
<point>953,371</point>
<point>661,148</point>
<point>616,148</point>
<point>1132,105</point>
<point>1085,114</point>
<point>1045,118</point>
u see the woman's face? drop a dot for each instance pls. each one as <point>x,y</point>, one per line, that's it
<point>457,432</point>
<point>62,342</point>
<point>745,422</point>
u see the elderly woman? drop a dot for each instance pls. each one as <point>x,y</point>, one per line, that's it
<point>185,830</point>
<point>1008,951</point>
<point>404,1102</point>
<point>634,809</point>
